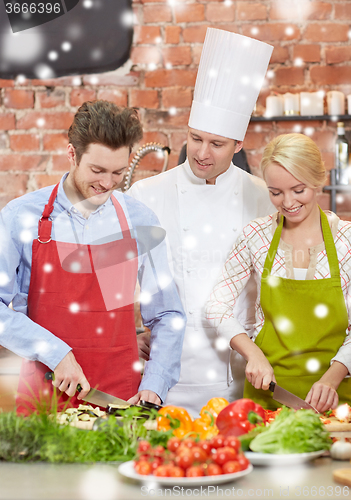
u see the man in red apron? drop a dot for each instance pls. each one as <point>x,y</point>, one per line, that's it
<point>75,279</point>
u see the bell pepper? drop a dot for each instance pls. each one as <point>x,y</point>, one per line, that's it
<point>213,407</point>
<point>171,416</point>
<point>240,417</point>
<point>205,426</point>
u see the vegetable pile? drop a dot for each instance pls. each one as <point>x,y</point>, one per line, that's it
<point>191,458</point>
<point>42,437</point>
<point>292,431</point>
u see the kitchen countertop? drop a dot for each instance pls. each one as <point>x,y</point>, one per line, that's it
<point>43,481</point>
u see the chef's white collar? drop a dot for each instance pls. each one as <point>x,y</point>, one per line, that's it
<point>221,179</point>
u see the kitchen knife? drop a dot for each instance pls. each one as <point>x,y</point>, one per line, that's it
<point>103,399</point>
<point>95,396</point>
<point>288,398</point>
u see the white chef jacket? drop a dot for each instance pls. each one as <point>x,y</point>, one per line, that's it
<point>202,222</point>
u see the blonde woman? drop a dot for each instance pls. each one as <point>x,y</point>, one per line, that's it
<point>301,259</point>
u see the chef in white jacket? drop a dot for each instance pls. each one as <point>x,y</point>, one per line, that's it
<point>203,205</point>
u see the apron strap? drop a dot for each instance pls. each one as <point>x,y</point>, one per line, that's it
<point>45,221</point>
<point>329,248</point>
<point>121,218</point>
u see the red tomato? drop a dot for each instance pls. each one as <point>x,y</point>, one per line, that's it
<point>158,451</point>
<point>223,455</point>
<point>214,470</point>
<point>142,467</point>
<point>144,446</point>
<point>205,445</point>
<point>190,443</point>
<point>173,444</point>
<point>175,471</point>
<point>231,467</point>
<point>199,454</point>
<point>162,471</point>
<point>243,461</point>
<point>143,457</point>
<point>156,461</point>
<point>217,441</point>
<point>195,471</point>
<point>183,450</point>
<point>184,461</point>
<point>233,442</point>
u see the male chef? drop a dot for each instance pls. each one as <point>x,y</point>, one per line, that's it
<point>70,256</point>
<point>204,203</point>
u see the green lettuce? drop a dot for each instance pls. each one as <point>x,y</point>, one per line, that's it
<point>293,431</point>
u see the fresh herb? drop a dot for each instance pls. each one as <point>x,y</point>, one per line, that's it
<point>293,432</point>
<point>42,437</point>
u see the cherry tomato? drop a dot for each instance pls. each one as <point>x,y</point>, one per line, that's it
<point>205,445</point>
<point>199,454</point>
<point>175,471</point>
<point>158,451</point>
<point>184,461</point>
<point>144,446</point>
<point>162,471</point>
<point>217,441</point>
<point>173,444</point>
<point>156,461</point>
<point>195,471</point>
<point>214,470</point>
<point>183,450</point>
<point>143,468</point>
<point>232,442</point>
<point>190,443</point>
<point>231,467</point>
<point>143,457</point>
<point>223,455</point>
<point>243,461</point>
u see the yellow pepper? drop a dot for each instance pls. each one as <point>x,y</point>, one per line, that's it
<point>178,413</point>
<point>214,406</point>
<point>205,425</point>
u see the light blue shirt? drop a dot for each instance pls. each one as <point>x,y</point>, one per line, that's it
<point>160,307</point>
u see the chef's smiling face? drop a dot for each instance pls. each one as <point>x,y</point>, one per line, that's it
<point>210,155</point>
<point>98,173</point>
<point>292,198</point>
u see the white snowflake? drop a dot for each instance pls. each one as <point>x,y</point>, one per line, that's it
<point>66,47</point>
<point>75,267</point>
<point>4,279</point>
<point>42,347</point>
<point>74,307</point>
<point>221,344</point>
<point>145,298</point>
<point>137,366</point>
<point>321,311</point>
<point>26,236</point>
<point>99,330</point>
<point>211,374</point>
<point>313,365</point>
<point>48,267</point>
<point>177,323</point>
<point>284,325</point>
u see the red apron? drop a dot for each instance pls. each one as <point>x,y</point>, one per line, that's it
<point>90,306</point>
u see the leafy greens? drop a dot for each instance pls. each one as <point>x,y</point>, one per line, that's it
<point>293,431</point>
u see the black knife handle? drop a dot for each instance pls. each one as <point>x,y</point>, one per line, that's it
<point>51,376</point>
<point>272,386</point>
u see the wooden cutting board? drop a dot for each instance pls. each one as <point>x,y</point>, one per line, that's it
<point>342,476</point>
<point>337,426</point>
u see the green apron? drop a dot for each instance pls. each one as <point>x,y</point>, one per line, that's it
<point>305,325</point>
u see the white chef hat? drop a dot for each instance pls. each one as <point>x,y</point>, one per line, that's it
<point>230,76</point>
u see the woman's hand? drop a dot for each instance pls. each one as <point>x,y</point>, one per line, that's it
<point>322,396</point>
<point>259,372</point>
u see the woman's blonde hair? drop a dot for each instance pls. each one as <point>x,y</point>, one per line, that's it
<point>299,155</point>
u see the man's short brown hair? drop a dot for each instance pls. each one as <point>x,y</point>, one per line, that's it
<point>103,122</point>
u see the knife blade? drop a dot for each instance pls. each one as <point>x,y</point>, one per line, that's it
<point>289,399</point>
<point>95,396</point>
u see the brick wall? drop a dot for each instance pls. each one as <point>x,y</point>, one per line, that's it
<point>312,51</point>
